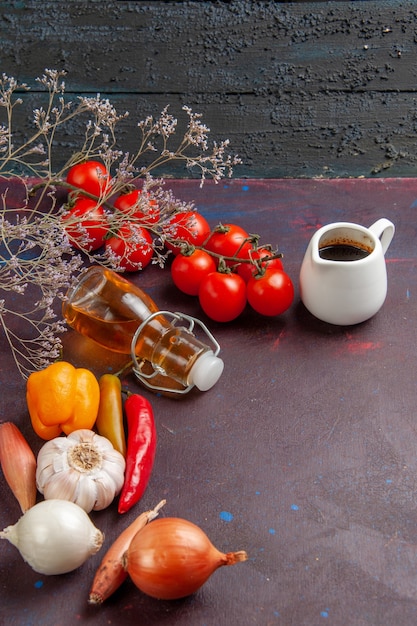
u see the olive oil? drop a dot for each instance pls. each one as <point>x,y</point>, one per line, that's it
<point>121,317</point>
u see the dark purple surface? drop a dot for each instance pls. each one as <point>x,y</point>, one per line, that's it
<point>304,454</point>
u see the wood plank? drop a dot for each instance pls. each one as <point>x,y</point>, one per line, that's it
<point>301,89</point>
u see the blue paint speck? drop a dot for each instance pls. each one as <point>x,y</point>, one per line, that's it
<point>324,613</point>
<point>272,531</point>
<point>226,516</point>
<point>388,481</point>
<point>245,187</point>
<point>258,493</point>
<point>38,584</point>
<point>294,507</point>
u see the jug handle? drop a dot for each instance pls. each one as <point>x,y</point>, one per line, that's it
<point>384,230</point>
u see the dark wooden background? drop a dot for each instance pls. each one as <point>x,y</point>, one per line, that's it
<point>301,89</point>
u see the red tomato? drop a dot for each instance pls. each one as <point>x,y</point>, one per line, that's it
<point>222,296</point>
<point>270,294</point>
<point>132,247</point>
<point>247,270</point>
<point>230,243</point>
<point>86,225</point>
<point>91,176</point>
<point>188,271</point>
<point>190,227</point>
<point>129,203</point>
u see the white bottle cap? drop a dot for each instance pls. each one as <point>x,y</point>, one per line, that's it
<point>206,371</point>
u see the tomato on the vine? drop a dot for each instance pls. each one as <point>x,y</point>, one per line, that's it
<point>188,270</point>
<point>222,296</point>
<point>132,247</point>
<point>247,270</point>
<point>86,225</point>
<point>129,204</point>
<point>229,240</point>
<point>270,294</point>
<point>188,227</point>
<point>90,176</point>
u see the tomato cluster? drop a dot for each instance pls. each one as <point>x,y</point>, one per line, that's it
<point>243,273</point>
<point>224,267</point>
<point>87,227</point>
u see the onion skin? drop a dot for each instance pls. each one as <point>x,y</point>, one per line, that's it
<point>172,558</point>
<point>111,573</point>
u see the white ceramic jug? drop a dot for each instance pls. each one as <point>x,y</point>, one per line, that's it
<point>343,277</point>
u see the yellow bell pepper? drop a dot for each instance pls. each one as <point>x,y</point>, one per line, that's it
<point>62,398</point>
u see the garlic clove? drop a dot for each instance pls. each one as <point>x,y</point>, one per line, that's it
<point>105,487</point>
<point>52,461</point>
<point>113,469</point>
<point>60,460</point>
<point>43,475</point>
<point>61,486</point>
<point>86,496</point>
<point>82,435</point>
<point>59,443</point>
<point>104,443</point>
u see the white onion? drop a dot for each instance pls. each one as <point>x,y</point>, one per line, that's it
<point>54,536</point>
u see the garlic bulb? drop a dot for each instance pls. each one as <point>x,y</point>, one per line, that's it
<point>83,468</point>
<point>54,537</point>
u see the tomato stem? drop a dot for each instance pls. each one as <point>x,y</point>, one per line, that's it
<point>71,188</point>
<point>188,250</point>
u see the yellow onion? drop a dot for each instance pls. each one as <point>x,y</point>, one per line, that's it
<point>111,572</point>
<point>172,558</point>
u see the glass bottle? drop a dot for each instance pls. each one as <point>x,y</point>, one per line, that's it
<point>118,315</point>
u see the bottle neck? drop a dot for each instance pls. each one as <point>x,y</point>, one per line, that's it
<point>171,350</point>
<point>177,356</point>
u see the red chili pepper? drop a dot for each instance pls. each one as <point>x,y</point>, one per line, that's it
<point>141,446</point>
